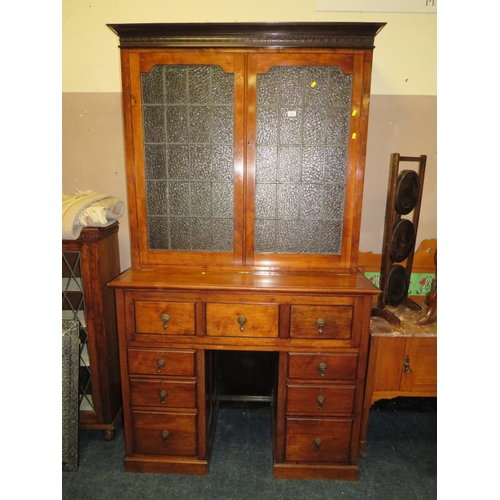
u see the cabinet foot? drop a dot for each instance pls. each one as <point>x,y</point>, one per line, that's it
<point>109,434</point>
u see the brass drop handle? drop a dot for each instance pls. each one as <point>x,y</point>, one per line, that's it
<point>165,318</point>
<point>322,368</point>
<point>242,320</point>
<point>164,436</point>
<point>406,365</point>
<point>160,363</point>
<point>321,402</point>
<point>317,444</point>
<point>163,394</point>
<point>320,322</point>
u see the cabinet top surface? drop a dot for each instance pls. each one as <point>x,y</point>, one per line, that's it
<point>324,34</point>
<point>233,280</point>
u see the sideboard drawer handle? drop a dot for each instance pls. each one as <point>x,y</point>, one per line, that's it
<point>163,395</point>
<point>242,320</point>
<point>160,363</point>
<point>322,368</point>
<point>165,318</point>
<point>320,322</point>
<point>164,437</point>
<point>321,402</point>
<point>317,443</point>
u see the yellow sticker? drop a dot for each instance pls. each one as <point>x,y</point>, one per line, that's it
<point>313,84</point>
<point>354,135</point>
<point>354,113</point>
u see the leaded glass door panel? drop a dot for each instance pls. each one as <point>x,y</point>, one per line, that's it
<point>302,154</point>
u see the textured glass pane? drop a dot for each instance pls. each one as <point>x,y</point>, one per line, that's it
<point>200,162</point>
<point>155,160</point>
<point>265,201</point>
<point>313,163</point>
<point>188,117</point>
<point>178,163</point>
<point>199,124</point>
<point>222,163</point>
<point>289,159</point>
<point>199,84</point>
<point>223,235</point>
<point>303,120</point>
<point>267,159</point>
<point>222,124</point>
<point>158,232</point>
<point>178,198</point>
<point>177,124</point>
<point>265,235</point>
<point>222,199</point>
<point>201,234</point>
<point>201,194</point>
<point>154,123</point>
<point>333,205</point>
<point>175,84</point>
<point>331,236</point>
<point>267,126</point>
<point>179,234</point>
<point>156,196</point>
<point>152,86</point>
<point>336,161</point>
<point>288,201</point>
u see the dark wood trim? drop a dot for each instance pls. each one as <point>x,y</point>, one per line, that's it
<point>330,35</point>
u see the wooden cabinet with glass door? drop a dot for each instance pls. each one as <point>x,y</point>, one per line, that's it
<point>245,150</point>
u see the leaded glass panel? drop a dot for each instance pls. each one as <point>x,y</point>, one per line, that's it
<point>188,126</point>
<point>302,131</point>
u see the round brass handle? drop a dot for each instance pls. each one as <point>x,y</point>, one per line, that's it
<point>242,320</point>
<point>163,395</point>
<point>165,318</point>
<point>322,368</point>
<point>164,437</point>
<point>317,443</point>
<point>320,322</point>
<point>160,363</point>
<point>321,402</point>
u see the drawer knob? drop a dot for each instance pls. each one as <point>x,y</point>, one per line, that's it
<point>242,320</point>
<point>164,437</point>
<point>406,365</point>
<point>163,395</point>
<point>165,318</point>
<point>317,444</point>
<point>322,368</point>
<point>320,322</point>
<point>160,363</point>
<point>321,402</point>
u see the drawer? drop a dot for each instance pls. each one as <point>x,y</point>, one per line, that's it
<point>164,318</point>
<point>161,362</point>
<point>318,440</point>
<point>165,433</point>
<point>317,399</point>
<point>342,366</point>
<point>162,393</point>
<point>321,322</point>
<point>242,320</point>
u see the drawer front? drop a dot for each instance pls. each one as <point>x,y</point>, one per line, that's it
<point>318,440</point>
<point>163,393</point>
<point>164,318</point>
<point>342,366</point>
<point>317,399</point>
<point>165,433</point>
<point>321,322</point>
<point>161,362</point>
<point>242,320</point>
